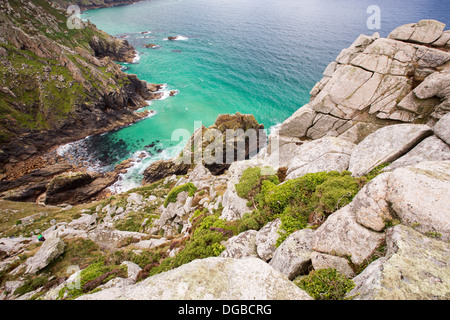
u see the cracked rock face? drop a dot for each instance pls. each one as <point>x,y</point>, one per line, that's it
<point>415,267</point>
<point>378,82</point>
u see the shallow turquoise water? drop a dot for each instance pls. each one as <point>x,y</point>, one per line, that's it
<point>253,56</point>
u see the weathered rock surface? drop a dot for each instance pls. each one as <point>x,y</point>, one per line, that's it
<point>50,249</point>
<point>242,245</point>
<point>325,154</point>
<point>232,137</point>
<point>415,267</point>
<point>377,82</point>
<point>266,239</point>
<point>343,236</point>
<point>370,205</point>
<point>419,195</point>
<point>293,256</point>
<point>325,261</point>
<point>430,149</point>
<point>210,278</point>
<point>425,31</point>
<point>441,129</point>
<point>386,145</point>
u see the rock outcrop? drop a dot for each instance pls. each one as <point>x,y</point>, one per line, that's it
<point>382,114</point>
<point>378,82</point>
<point>58,89</point>
<point>211,278</point>
<point>414,268</point>
<point>231,138</point>
<point>50,249</point>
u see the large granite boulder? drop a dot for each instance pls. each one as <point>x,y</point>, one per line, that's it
<point>430,149</point>
<point>425,31</point>
<point>386,145</point>
<point>50,249</point>
<point>242,245</point>
<point>293,256</point>
<point>415,268</point>
<point>210,278</point>
<point>419,195</point>
<point>266,239</point>
<point>442,128</point>
<point>325,154</point>
<point>342,235</point>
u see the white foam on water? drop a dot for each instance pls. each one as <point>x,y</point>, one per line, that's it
<point>136,58</point>
<point>178,38</point>
<point>133,177</point>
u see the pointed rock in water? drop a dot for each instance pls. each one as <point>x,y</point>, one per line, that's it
<point>210,278</point>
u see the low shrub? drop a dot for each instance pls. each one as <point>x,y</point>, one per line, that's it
<point>326,284</point>
<point>172,195</point>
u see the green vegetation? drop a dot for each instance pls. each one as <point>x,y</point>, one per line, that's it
<point>172,196</point>
<point>31,285</point>
<point>325,284</point>
<point>376,171</point>
<point>93,276</point>
<point>299,203</point>
<point>251,180</point>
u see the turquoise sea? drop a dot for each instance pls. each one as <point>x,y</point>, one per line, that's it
<point>253,56</point>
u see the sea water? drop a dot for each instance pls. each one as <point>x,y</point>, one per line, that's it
<point>260,57</point>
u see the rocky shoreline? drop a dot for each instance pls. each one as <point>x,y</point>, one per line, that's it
<point>100,97</point>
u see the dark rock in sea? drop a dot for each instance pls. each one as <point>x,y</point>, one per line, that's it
<point>152,46</point>
<point>172,38</point>
<point>164,168</point>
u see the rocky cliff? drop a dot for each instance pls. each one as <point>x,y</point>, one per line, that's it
<point>93,4</point>
<point>354,206</point>
<point>58,84</point>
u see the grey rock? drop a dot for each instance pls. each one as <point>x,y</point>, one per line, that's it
<point>430,149</point>
<point>341,235</point>
<point>293,256</point>
<point>425,31</point>
<point>415,268</point>
<point>325,154</point>
<point>325,261</point>
<point>135,198</point>
<point>242,245</point>
<point>442,128</point>
<point>370,205</point>
<point>266,238</point>
<point>298,124</point>
<point>210,278</point>
<point>386,145</point>
<point>50,249</point>
<point>148,244</point>
<point>419,196</point>
<point>84,222</point>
